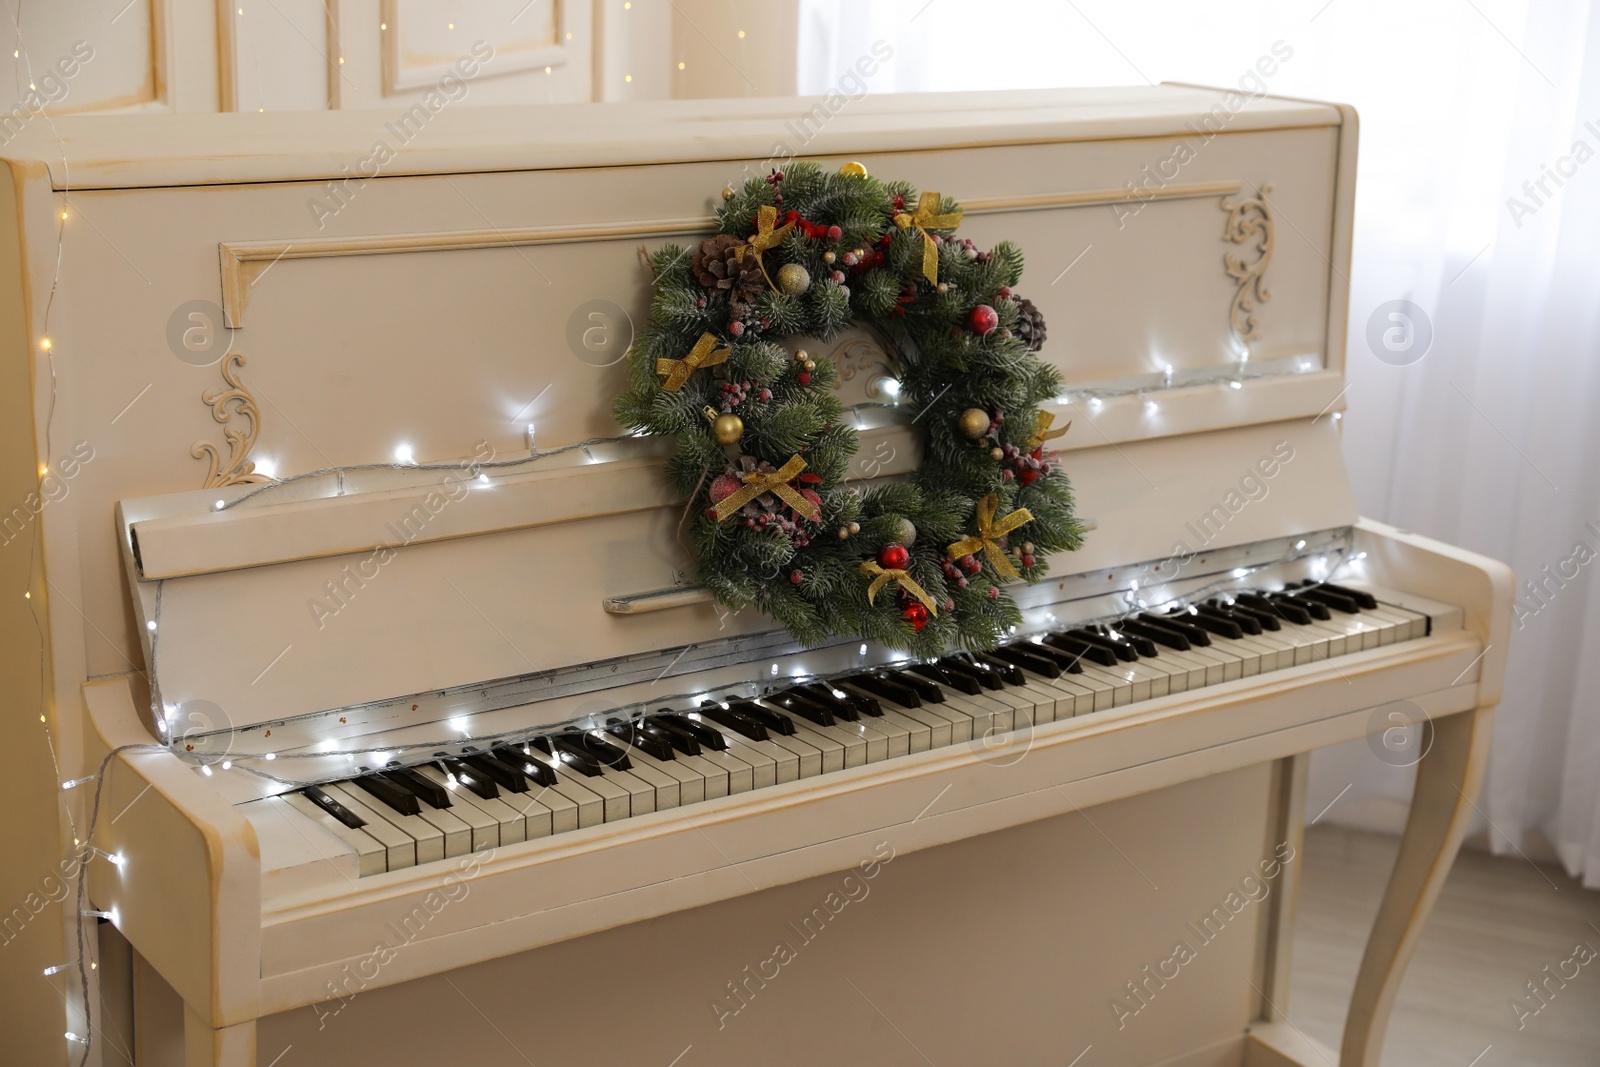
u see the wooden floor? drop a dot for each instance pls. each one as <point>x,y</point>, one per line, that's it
<point>1499,923</point>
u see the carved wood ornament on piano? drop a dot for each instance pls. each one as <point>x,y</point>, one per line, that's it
<point>513,690</point>
<point>770,516</point>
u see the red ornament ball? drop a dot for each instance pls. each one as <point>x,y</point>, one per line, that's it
<point>724,486</point>
<point>795,577</point>
<point>893,558</point>
<point>983,320</point>
<point>915,614</point>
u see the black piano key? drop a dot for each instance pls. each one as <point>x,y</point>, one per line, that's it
<point>646,739</point>
<point>937,672</point>
<point>503,774</point>
<point>845,708</point>
<point>436,795</point>
<point>1283,608</point>
<point>1077,647</point>
<point>795,704</point>
<point>733,720</point>
<point>572,752</point>
<point>1217,623</point>
<point>600,750</point>
<point>478,782</point>
<point>850,701</point>
<point>1121,651</point>
<point>1363,599</point>
<point>895,689</point>
<point>1323,595</point>
<point>985,675</point>
<point>776,721</point>
<point>1010,672</point>
<point>706,735</point>
<point>1247,623</point>
<point>1164,635</point>
<point>1036,662</point>
<point>923,687</point>
<point>333,807</point>
<point>679,738</point>
<point>395,796</point>
<point>1142,646</point>
<point>1315,608</point>
<point>538,771</point>
<point>1196,635</point>
<point>1262,616</point>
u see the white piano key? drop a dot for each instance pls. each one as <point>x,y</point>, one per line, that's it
<point>372,856</point>
<point>664,786</point>
<point>400,846</point>
<point>510,827</point>
<point>485,829</point>
<point>763,766</point>
<point>1046,701</point>
<point>785,762</point>
<point>913,733</point>
<point>898,729</point>
<point>1015,701</point>
<point>457,831</point>
<point>691,783</point>
<point>833,747</point>
<point>1093,693</point>
<point>974,715</point>
<point>740,775</point>
<point>1180,672</point>
<point>807,752</point>
<point>572,786</point>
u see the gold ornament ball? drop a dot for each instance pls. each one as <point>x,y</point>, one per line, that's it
<point>809,364</point>
<point>794,279</point>
<point>974,422</point>
<point>995,453</point>
<point>727,192</point>
<point>828,257</point>
<point>854,169</point>
<point>801,356</point>
<point>855,528</point>
<point>727,429</point>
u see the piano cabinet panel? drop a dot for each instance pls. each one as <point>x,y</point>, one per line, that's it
<point>410,321</point>
<point>1004,948</point>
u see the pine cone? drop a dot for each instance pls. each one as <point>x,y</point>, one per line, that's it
<point>1030,324</point>
<point>726,263</point>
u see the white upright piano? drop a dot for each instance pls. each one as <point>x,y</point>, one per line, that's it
<point>398,731</point>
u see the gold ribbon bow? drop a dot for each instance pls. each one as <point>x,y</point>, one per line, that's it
<point>1042,432</point>
<point>776,482</point>
<point>926,218</point>
<point>704,354</point>
<point>767,237</point>
<point>988,532</point>
<point>882,576</point>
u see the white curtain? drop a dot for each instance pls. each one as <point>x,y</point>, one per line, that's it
<point>1478,201</point>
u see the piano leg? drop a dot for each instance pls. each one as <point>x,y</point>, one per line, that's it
<point>1441,807</point>
<point>231,1046</point>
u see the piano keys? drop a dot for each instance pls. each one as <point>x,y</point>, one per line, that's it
<point>630,768</point>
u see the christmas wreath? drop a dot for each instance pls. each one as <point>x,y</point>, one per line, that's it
<point>764,444</point>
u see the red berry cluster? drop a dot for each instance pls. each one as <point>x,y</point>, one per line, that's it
<point>814,230</point>
<point>1024,467</point>
<point>736,393</point>
<point>953,569</point>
